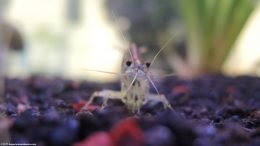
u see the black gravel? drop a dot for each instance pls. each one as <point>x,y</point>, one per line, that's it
<point>213,110</point>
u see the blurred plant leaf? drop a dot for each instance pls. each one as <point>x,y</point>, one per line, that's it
<point>213,27</point>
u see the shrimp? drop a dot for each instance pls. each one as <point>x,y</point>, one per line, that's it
<point>135,83</point>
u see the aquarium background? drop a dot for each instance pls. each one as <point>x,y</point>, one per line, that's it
<point>67,37</point>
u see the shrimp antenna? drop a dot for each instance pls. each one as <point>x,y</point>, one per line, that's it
<point>122,34</point>
<point>128,88</point>
<point>163,47</point>
<point>107,72</point>
<point>151,81</point>
<point>169,75</point>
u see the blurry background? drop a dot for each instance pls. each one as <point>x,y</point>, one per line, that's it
<point>62,37</point>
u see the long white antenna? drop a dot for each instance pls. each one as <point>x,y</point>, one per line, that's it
<point>164,46</point>
<point>122,34</point>
<point>169,75</point>
<point>101,71</point>
<point>151,81</point>
<point>128,88</point>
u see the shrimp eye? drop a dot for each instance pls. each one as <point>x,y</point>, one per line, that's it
<point>147,64</point>
<point>128,63</point>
